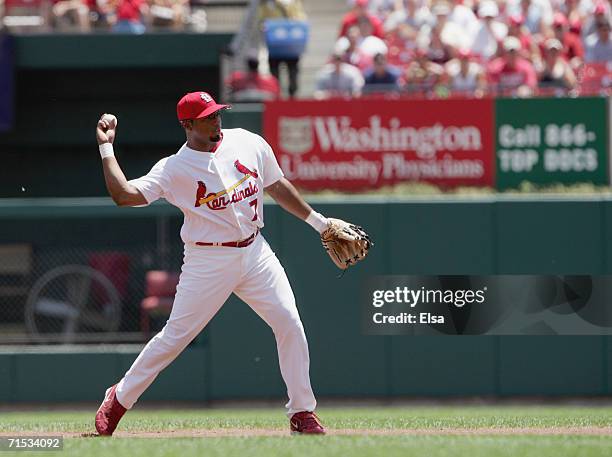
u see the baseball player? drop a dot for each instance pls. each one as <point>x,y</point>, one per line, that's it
<point>217,179</point>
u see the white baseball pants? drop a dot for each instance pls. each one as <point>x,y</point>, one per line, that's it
<point>209,275</point>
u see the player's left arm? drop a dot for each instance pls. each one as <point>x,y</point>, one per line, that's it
<point>345,243</point>
<point>288,197</point>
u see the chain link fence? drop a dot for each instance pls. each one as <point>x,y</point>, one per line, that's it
<point>96,277</point>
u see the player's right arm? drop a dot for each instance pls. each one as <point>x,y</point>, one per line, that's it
<point>122,192</point>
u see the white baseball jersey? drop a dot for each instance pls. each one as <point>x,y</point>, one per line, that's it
<point>220,193</point>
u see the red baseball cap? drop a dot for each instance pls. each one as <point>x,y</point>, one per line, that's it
<point>575,26</point>
<point>559,19</point>
<point>196,105</point>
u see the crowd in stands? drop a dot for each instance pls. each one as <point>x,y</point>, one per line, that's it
<point>433,48</point>
<point>429,48</point>
<point>122,16</point>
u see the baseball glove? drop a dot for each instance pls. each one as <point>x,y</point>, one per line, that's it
<point>345,243</point>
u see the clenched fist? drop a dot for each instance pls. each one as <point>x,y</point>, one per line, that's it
<point>106,129</point>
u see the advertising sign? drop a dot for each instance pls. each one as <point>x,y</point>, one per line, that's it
<point>551,140</point>
<point>365,143</point>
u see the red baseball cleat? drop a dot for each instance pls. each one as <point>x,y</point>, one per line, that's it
<point>306,422</point>
<point>109,413</point>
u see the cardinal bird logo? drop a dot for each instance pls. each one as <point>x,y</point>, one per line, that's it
<point>244,170</point>
<point>200,193</point>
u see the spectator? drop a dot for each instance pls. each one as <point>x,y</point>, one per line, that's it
<point>359,46</point>
<point>464,18</point>
<point>422,75</point>
<point>131,16</point>
<point>371,44</point>
<point>537,13</point>
<point>102,13</point>
<point>360,11</point>
<point>574,11</point>
<point>410,17</point>
<point>287,9</point>
<point>251,85</point>
<point>572,50</point>
<point>275,9</point>
<point>599,44</point>
<point>382,8</point>
<point>445,37</point>
<point>338,79</point>
<point>600,12</point>
<point>555,71</point>
<point>511,73</point>
<point>465,76</point>
<point>516,28</point>
<point>198,17</point>
<point>382,77</point>
<point>169,13</point>
<point>437,50</point>
<point>575,26</point>
<point>489,31</point>
<point>402,45</point>
<point>70,13</point>
<point>350,49</point>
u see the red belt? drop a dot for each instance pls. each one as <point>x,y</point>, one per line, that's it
<point>232,244</point>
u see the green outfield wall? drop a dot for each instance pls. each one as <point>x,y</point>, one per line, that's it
<point>236,357</point>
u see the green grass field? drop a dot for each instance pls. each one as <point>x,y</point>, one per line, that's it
<point>458,431</point>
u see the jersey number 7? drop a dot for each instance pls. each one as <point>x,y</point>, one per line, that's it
<point>254,204</point>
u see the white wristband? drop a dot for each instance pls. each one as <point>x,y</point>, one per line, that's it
<point>106,150</point>
<point>317,221</point>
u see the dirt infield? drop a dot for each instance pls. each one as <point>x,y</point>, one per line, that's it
<point>377,432</point>
<point>236,432</point>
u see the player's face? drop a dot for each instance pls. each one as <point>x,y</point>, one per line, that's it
<point>208,128</point>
